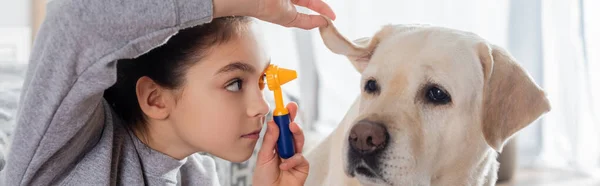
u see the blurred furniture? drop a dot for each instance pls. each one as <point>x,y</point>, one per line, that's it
<point>508,161</point>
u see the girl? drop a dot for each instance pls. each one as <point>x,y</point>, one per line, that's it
<point>125,92</point>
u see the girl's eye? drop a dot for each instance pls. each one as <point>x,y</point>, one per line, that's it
<point>261,82</point>
<point>234,86</point>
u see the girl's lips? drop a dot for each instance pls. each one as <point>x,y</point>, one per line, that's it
<point>252,135</point>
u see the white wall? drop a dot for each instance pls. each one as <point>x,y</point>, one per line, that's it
<point>15,13</point>
<point>15,31</point>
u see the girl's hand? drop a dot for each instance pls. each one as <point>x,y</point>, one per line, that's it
<point>270,168</point>
<point>281,12</point>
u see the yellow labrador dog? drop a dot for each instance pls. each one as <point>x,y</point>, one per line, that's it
<point>436,107</point>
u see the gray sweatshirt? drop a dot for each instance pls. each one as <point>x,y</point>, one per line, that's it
<point>66,133</point>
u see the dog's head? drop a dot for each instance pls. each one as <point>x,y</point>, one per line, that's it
<point>433,99</point>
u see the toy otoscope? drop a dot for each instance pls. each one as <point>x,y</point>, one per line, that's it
<point>275,78</point>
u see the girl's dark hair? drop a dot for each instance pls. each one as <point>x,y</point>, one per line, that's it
<point>167,64</point>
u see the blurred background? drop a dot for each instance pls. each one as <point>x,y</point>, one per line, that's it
<point>557,41</point>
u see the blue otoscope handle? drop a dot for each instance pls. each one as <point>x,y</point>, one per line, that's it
<point>285,143</point>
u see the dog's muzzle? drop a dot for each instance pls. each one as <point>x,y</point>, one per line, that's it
<point>367,140</point>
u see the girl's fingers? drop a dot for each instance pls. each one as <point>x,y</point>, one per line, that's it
<point>267,150</point>
<point>296,161</point>
<point>292,108</point>
<point>307,22</point>
<point>298,136</point>
<point>318,6</point>
<point>297,132</point>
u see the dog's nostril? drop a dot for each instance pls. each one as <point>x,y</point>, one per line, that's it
<point>370,141</point>
<point>367,137</point>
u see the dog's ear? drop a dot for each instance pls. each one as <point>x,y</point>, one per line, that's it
<point>511,100</point>
<point>358,51</point>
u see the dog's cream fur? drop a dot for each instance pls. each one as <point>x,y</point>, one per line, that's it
<point>453,144</point>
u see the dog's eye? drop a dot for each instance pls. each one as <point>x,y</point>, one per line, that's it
<point>437,96</point>
<point>371,86</point>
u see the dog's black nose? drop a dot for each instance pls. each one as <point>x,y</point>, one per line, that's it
<point>367,137</point>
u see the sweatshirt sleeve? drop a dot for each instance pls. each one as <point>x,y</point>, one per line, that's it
<point>72,62</point>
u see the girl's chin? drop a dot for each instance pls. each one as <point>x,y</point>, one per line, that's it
<point>238,156</point>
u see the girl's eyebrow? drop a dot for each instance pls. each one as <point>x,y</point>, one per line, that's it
<point>240,66</point>
<point>236,66</point>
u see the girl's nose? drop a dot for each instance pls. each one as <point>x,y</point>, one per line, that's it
<point>258,107</point>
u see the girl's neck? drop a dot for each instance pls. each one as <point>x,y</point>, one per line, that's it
<point>164,139</point>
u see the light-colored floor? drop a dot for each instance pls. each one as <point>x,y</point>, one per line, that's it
<point>550,177</point>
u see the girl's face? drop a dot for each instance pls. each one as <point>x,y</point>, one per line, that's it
<point>221,108</point>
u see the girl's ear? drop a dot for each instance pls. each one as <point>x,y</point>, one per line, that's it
<point>155,101</point>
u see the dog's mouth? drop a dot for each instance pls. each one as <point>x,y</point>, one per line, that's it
<point>367,175</point>
<point>365,171</point>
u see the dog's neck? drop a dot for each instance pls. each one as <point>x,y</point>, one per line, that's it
<point>476,172</point>
<point>487,170</point>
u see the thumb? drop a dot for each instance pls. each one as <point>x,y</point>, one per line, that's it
<point>292,108</point>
